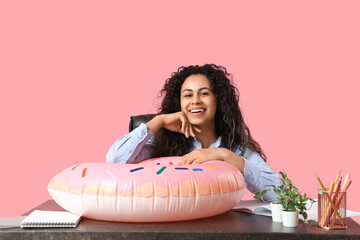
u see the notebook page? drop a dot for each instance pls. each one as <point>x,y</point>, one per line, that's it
<point>50,219</point>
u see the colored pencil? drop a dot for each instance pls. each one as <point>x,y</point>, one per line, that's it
<point>333,198</point>
<point>342,193</point>
<point>327,205</point>
<point>331,202</point>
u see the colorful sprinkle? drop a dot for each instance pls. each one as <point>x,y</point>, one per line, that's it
<point>181,168</point>
<point>161,170</point>
<point>136,169</point>
<point>235,169</point>
<point>154,159</point>
<point>158,163</point>
<point>75,167</point>
<point>84,172</point>
<point>197,169</point>
<point>171,163</point>
<point>212,166</point>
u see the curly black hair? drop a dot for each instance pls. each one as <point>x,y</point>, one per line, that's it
<point>229,122</point>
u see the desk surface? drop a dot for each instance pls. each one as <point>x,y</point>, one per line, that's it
<point>230,225</point>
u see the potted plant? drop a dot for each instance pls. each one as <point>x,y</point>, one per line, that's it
<point>276,207</point>
<point>291,200</point>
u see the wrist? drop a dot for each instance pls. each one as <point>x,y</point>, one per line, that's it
<point>161,119</point>
<point>224,154</point>
<point>233,158</point>
<point>156,123</point>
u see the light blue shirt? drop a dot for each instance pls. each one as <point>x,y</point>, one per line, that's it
<point>137,146</point>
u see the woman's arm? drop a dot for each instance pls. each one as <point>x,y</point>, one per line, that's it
<point>137,145</point>
<point>131,148</point>
<point>257,173</point>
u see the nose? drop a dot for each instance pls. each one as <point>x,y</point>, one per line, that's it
<point>196,99</point>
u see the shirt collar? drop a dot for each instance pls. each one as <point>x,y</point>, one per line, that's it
<point>216,144</point>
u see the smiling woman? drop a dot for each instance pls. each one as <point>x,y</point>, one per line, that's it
<point>199,119</point>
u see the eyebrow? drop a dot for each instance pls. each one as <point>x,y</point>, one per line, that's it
<point>200,89</point>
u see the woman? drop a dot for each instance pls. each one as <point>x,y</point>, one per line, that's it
<point>199,119</point>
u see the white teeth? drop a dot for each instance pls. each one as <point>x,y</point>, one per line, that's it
<point>196,110</point>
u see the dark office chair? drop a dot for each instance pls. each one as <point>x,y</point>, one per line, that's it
<point>135,121</point>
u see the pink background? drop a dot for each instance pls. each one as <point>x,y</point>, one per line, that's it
<point>73,72</point>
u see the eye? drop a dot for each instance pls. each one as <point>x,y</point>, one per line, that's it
<point>204,94</point>
<point>187,95</point>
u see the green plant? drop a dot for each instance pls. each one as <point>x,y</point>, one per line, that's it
<point>289,196</point>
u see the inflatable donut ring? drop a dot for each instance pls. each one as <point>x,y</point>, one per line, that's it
<point>155,190</point>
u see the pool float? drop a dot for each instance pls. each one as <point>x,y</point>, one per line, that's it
<point>155,190</point>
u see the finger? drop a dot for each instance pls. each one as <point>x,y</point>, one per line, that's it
<point>188,126</point>
<point>186,130</point>
<point>185,125</point>
<point>189,158</point>
<point>197,161</point>
<point>189,129</point>
<point>182,160</point>
<point>185,162</point>
<point>182,124</point>
<point>190,161</point>
<point>192,132</point>
<point>197,129</point>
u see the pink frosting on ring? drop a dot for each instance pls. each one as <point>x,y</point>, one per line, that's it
<point>157,171</point>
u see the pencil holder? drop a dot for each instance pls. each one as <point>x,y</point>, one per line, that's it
<point>331,209</point>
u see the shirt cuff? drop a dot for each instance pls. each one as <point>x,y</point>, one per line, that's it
<point>251,170</point>
<point>144,132</point>
<point>143,135</point>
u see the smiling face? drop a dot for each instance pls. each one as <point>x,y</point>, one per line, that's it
<point>197,100</point>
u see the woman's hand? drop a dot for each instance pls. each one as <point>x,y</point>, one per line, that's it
<point>175,122</point>
<point>205,154</point>
<point>201,155</point>
<point>178,122</point>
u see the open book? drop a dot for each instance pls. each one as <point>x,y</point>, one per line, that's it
<point>258,207</point>
<point>254,206</point>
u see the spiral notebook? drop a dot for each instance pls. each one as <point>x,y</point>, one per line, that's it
<point>49,219</point>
